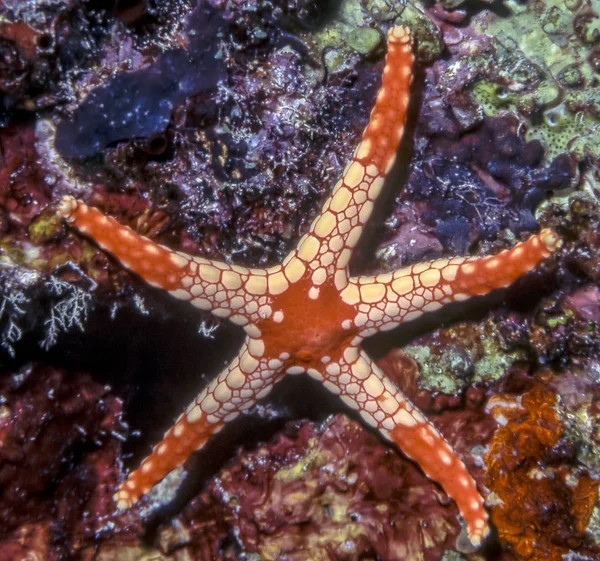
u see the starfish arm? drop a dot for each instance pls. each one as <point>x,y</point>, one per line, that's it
<point>387,300</point>
<point>237,388</point>
<point>328,245</point>
<point>225,290</point>
<point>363,387</point>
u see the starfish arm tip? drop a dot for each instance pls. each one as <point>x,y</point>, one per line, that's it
<point>123,499</point>
<point>478,537</point>
<point>551,240</point>
<point>399,34</point>
<point>67,206</point>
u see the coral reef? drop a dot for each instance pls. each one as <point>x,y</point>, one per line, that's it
<point>232,163</point>
<point>60,436</point>
<point>560,82</point>
<point>332,490</point>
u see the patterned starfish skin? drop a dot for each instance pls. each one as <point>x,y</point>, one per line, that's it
<point>309,315</point>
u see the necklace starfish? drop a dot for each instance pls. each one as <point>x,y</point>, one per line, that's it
<point>309,315</point>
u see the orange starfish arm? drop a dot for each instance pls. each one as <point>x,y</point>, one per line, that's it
<point>225,290</point>
<point>327,247</point>
<point>363,387</point>
<point>385,301</point>
<point>248,378</point>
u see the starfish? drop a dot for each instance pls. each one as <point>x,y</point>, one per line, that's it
<point>309,315</point>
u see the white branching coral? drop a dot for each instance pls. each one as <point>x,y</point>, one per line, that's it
<point>13,298</point>
<point>207,328</point>
<point>11,333</point>
<point>69,312</point>
<point>69,306</point>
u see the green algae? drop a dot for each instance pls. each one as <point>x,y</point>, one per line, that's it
<point>582,429</point>
<point>593,527</point>
<point>560,129</point>
<point>357,31</point>
<point>453,556</point>
<point>562,319</point>
<point>297,471</point>
<point>44,227</point>
<point>552,83</point>
<point>470,353</point>
<point>344,39</point>
<point>363,40</point>
<point>495,362</point>
<point>426,37</point>
<point>438,373</point>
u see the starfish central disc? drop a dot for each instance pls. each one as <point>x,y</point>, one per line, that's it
<point>309,328</point>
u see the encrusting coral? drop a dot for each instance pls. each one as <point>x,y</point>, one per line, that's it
<point>542,509</point>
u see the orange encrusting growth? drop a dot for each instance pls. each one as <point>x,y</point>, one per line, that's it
<point>308,315</point>
<point>545,503</point>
